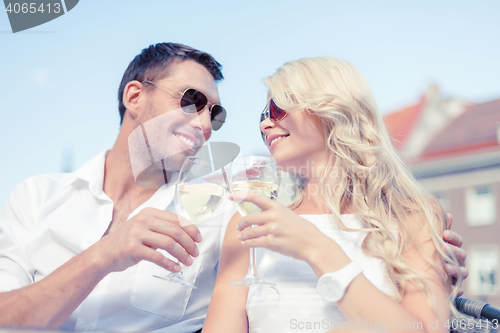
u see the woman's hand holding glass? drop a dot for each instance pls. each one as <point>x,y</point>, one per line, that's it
<point>253,174</point>
<point>278,228</point>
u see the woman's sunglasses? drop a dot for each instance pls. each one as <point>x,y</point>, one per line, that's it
<point>274,113</point>
<point>194,97</point>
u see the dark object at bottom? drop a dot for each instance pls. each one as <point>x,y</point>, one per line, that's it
<point>477,309</point>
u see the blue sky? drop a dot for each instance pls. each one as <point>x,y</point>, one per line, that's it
<point>59,80</point>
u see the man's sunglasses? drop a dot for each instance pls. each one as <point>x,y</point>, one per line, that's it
<point>194,97</point>
<point>274,113</point>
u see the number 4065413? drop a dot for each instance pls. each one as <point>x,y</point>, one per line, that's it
<point>471,324</point>
<point>32,8</point>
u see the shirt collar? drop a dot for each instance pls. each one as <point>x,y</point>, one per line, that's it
<point>161,199</point>
<point>91,172</point>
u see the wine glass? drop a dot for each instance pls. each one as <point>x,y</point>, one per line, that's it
<point>256,173</point>
<point>201,189</point>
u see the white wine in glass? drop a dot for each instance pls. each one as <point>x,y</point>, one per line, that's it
<point>198,200</point>
<point>269,190</point>
<point>255,173</point>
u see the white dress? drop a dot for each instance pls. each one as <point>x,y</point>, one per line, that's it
<point>296,306</point>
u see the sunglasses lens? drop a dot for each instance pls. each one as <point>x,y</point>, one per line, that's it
<point>218,116</point>
<point>193,97</point>
<point>263,136</point>
<point>200,101</point>
<point>275,112</point>
<point>263,116</point>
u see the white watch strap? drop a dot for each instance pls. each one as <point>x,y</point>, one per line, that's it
<point>348,273</point>
<point>332,286</point>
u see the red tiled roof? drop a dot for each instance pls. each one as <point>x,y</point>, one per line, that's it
<point>400,123</point>
<point>475,129</point>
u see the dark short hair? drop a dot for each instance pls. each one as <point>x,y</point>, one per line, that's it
<point>154,61</point>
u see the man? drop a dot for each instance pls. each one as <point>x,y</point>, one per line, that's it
<point>79,251</point>
<point>64,237</point>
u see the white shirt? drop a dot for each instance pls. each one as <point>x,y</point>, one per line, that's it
<point>49,219</point>
<point>294,305</point>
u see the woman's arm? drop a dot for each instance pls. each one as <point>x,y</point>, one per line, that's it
<point>227,310</point>
<point>413,313</point>
<point>280,229</point>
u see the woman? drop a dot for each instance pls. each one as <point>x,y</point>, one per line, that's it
<point>362,226</point>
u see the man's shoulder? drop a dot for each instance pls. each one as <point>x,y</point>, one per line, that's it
<point>50,180</point>
<point>31,195</point>
<point>41,186</point>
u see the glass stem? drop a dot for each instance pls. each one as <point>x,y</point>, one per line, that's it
<point>252,269</point>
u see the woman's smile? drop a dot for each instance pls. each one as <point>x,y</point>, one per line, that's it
<point>274,139</point>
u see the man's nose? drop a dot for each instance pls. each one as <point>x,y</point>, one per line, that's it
<point>203,121</point>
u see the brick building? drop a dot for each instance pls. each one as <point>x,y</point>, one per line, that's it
<point>453,147</point>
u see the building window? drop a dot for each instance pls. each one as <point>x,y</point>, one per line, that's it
<point>481,209</point>
<point>443,200</point>
<point>483,270</point>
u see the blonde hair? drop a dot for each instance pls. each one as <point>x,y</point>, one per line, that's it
<point>369,175</point>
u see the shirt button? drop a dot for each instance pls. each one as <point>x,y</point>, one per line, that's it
<point>104,212</point>
<point>85,327</point>
<point>89,240</point>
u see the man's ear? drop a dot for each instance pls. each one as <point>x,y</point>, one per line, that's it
<point>132,94</point>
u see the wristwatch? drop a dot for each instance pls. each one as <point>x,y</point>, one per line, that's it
<point>332,286</point>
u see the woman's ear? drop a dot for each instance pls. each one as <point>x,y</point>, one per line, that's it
<point>131,97</point>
